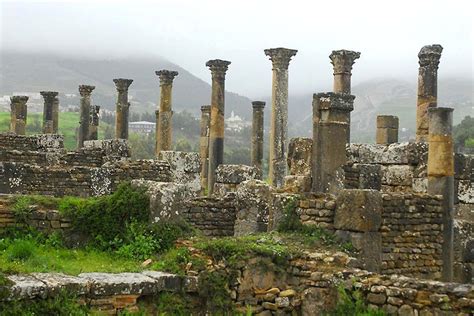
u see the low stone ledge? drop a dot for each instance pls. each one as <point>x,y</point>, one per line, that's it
<point>235,174</point>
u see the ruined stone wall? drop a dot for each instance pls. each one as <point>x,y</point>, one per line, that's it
<point>228,177</point>
<point>412,235</point>
<point>40,142</point>
<point>317,210</point>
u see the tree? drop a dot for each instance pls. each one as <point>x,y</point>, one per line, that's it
<point>463,133</point>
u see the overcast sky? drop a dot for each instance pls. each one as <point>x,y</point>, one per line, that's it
<point>389,35</point>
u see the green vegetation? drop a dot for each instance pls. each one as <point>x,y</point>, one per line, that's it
<point>463,133</point>
<point>214,287</point>
<point>350,302</point>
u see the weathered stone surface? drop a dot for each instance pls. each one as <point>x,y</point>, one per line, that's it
<point>57,282</point>
<point>235,174</point>
<point>397,175</point>
<point>110,147</point>
<point>27,287</point>
<point>466,191</point>
<point>299,156</point>
<point>121,283</point>
<point>369,246</point>
<point>277,207</point>
<point>358,210</point>
<point>185,168</point>
<point>401,153</point>
<point>297,184</point>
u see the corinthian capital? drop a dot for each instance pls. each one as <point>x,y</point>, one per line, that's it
<point>342,60</point>
<point>280,56</point>
<point>218,68</point>
<point>49,95</point>
<point>19,99</point>
<point>166,76</point>
<point>430,55</point>
<point>122,84</point>
<point>85,90</point>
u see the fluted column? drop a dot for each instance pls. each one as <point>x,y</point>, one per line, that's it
<point>122,108</point>
<point>85,109</point>
<point>342,61</point>
<point>18,114</point>
<point>204,144</point>
<point>216,134</point>
<point>330,125</point>
<point>48,111</point>
<point>257,134</point>
<point>94,123</point>
<point>387,129</point>
<point>428,59</point>
<point>441,176</point>
<point>280,58</point>
<point>166,113</point>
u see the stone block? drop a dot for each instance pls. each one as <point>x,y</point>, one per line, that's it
<point>297,183</point>
<point>399,153</point>
<point>368,245</point>
<point>463,166</point>
<point>299,156</point>
<point>111,147</point>
<point>56,282</point>
<point>185,168</point>
<point>107,284</point>
<point>397,175</point>
<point>370,176</point>
<point>277,206</point>
<point>466,191</point>
<point>358,210</point>
<point>236,174</point>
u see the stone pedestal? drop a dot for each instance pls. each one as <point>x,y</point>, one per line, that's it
<point>330,125</point>
<point>94,123</point>
<point>18,114</point>
<point>387,129</point>
<point>429,57</point>
<point>257,134</point>
<point>164,123</point>
<point>85,109</point>
<point>280,58</point>
<point>216,136</point>
<point>441,176</point>
<point>204,144</point>
<point>122,108</point>
<point>50,98</point>
<point>342,61</point>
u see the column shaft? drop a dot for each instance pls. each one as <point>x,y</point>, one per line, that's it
<point>216,134</point>
<point>429,57</point>
<point>94,123</point>
<point>122,108</point>
<point>157,133</point>
<point>204,144</point>
<point>18,114</point>
<point>257,134</point>
<point>85,109</point>
<point>441,176</point>
<point>387,129</point>
<point>48,111</point>
<point>166,113</point>
<point>55,115</point>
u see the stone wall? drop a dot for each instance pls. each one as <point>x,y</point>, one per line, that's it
<point>317,209</point>
<point>228,177</point>
<point>40,142</point>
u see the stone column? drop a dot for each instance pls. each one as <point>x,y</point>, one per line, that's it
<point>342,61</point>
<point>165,119</point>
<point>48,111</point>
<point>122,108</point>
<point>94,123</point>
<point>330,125</point>
<point>387,129</point>
<point>55,115</point>
<point>216,133</point>
<point>18,114</point>
<point>157,134</point>
<point>85,110</point>
<point>280,58</point>
<point>429,57</point>
<point>204,144</point>
<point>441,176</point>
<point>257,134</point>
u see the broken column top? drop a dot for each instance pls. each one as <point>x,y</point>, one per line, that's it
<point>49,94</point>
<point>258,104</point>
<point>166,76</point>
<point>122,84</point>
<point>85,89</point>
<point>331,100</point>
<point>342,60</point>
<point>206,108</point>
<point>280,56</point>
<point>19,98</point>
<point>430,54</point>
<point>387,121</point>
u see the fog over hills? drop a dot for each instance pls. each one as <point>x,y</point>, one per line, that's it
<point>33,72</point>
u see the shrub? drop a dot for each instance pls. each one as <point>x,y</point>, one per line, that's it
<point>20,250</point>
<point>21,208</point>
<point>213,287</point>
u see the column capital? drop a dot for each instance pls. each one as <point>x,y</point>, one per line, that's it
<point>280,56</point>
<point>258,105</point>
<point>206,109</point>
<point>342,60</point>
<point>85,90</point>
<point>19,98</point>
<point>334,101</point>
<point>49,95</point>
<point>122,84</point>
<point>166,76</point>
<point>218,67</point>
<point>430,55</point>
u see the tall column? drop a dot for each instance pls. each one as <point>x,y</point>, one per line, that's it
<point>280,58</point>
<point>94,123</point>
<point>342,61</point>
<point>330,125</point>
<point>428,59</point>
<point>204,143</point>
<point>387,129</point>
<point>166,113</point>
<point>216,134</point>
<point>55,115</point>
<point>48,111</point>
<point>122,107</point>
<point>441,176</point>
<point>257,134</point>
<point>85,109</point>
<point>157,134</point>
<point>18,114</point>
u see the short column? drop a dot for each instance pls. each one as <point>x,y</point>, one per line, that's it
<point>204,144</point>
<point>18,114</point>
<point>428,58</point>
<point>280,58</point>
<point>441,176</point>
<point>85,110</point>
<point>94,123</point>
<point>216,134</point>
<point>257,134</point>
<point>48,111</point>
<point>122,108</point>
<point>387,129</point>
<point>166,113</point>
